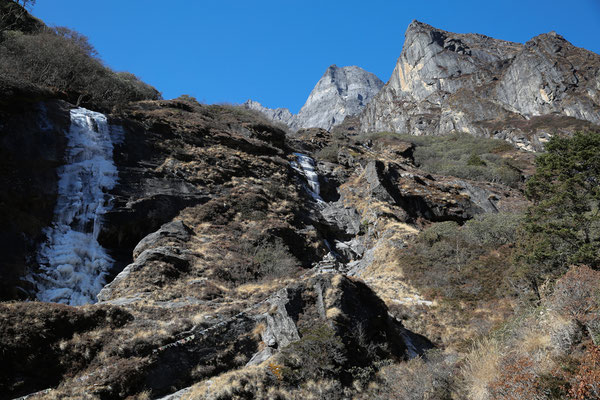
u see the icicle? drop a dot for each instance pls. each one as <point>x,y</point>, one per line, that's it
<point>73,264</point>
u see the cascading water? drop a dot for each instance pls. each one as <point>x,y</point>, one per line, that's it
<point>73,265</point>
<point>306,166</point>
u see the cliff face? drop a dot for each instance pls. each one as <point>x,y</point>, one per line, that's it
<point>445,82</point>
<point>341,91</point>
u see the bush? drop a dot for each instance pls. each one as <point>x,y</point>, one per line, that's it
<point>417,379</point>
<point>328,153</point>
<point>577,296</point>
<point>252,260</point>
<point>64,60</point>
<point>460,155</point>
<point>465,263</point>
<point>318,354</point>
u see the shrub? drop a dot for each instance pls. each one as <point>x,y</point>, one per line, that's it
<point>252,260</point>
<point>577,296</point>
<point>518,380</point>
<point>467,263</point>
<point>318,354</point>
<point>460,155</point>
<point>586,385</point>
<point>416,379</point>
<point>64,60</point>
<point>328,153</point>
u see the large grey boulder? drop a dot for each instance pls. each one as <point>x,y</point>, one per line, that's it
<point>447,82</point>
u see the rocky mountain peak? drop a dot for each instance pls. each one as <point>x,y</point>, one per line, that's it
<point>446,82</point>
<point>341,91</point>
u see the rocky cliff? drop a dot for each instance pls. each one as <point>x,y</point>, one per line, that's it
<point>246,262</point>
<point>340,92</point>
<point>446,82</point>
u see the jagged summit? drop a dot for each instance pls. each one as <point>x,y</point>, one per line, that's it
<point>340,92</point>
<point>445,82</point>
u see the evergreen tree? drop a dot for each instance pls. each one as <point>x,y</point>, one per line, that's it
<point>562,227</point>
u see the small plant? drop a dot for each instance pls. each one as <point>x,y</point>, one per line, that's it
<point>276,370</point>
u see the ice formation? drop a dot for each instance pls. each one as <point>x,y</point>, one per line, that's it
<point>306,166</point>
<point>73,265</point>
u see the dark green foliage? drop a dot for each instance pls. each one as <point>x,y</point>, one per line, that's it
<point>562,227</point>
<point>476,161</point>
<point>465,263</point>
<point>318,354</point>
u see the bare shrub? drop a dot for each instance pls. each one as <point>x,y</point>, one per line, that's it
<point>577,295</point>
<point>64,60</point>
<point>416,379</point>
<point>586,385</point>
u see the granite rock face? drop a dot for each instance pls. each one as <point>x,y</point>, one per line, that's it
<point>341,91</point>
<point>446,82</point>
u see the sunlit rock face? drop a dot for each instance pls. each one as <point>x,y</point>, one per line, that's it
<point>341,92</point>
<point>446,82</point>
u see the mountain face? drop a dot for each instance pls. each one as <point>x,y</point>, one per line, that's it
<point>231,259</point>
<point>445,82</point>
<point>341,91</point>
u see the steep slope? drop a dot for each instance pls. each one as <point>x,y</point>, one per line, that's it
<point>445,82</point>
<point>341,91</point>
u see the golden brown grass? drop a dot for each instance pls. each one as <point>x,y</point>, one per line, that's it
<point>481,367</point>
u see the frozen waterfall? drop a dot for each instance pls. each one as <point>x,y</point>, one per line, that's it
<point>73,265</point>
<point>306,166</point>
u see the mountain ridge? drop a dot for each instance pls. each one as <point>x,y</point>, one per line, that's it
<point>445,82</point>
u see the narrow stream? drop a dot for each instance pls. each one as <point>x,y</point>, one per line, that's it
<point>73,265</point>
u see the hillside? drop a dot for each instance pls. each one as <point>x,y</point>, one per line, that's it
<point>167,249</point>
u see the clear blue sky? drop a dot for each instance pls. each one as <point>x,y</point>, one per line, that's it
<point>274,51</point>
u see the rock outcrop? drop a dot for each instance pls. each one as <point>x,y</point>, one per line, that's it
<point>341,91</point>
<point>446,82</point>
<point>282,115</point>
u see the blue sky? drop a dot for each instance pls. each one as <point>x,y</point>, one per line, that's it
<point>274,51</point>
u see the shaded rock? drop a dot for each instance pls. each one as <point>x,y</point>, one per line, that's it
<point>32,145</point>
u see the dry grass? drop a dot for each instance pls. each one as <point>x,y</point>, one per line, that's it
<point>481,367</point>
<point>248,381</point>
